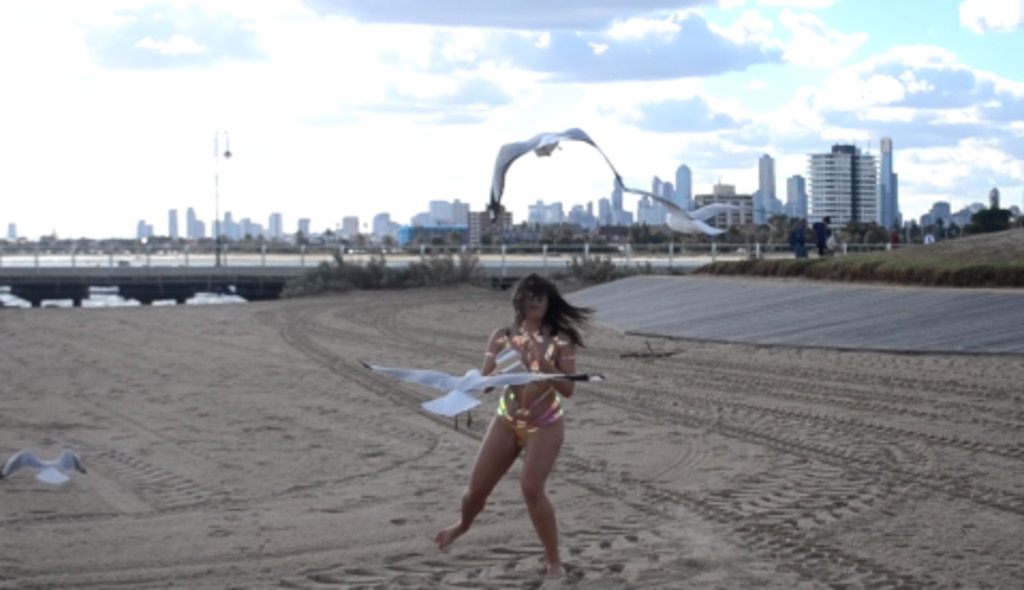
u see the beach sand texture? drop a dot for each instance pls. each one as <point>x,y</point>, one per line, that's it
<point>244,447</point>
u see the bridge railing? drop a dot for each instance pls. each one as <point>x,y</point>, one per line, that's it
<point>302,256</point>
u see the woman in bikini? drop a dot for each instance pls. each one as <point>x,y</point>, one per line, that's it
<point>545,335</point>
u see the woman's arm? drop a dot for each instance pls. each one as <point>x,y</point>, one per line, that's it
<point>562,359</point>
<point>494,346</point>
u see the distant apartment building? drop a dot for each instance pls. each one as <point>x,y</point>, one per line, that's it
<point>172,224</point>
<point>275,226</point>
<point>194,229</point>
<point>616,198</point>
<point>460,212</point>
<point>539,212</point>
<point>726,193</point>
<point>765,196</point>
<point>796,197</point>
<point>440,212</point>
<point>12,231</point>
<point>382,225</point>
<point>604,211</point>
<point>480,225</point>
<point>684,187</point>
<point>143,230</point>
<point>304,226</point>
<point>888,189</point>
<point>844,186</point>
<point>349,227</point>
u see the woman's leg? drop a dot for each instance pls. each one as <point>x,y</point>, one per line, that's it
<point>498,451</point>
<point>541,452</point>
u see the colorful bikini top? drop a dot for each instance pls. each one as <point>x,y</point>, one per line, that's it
<point>508,359</point>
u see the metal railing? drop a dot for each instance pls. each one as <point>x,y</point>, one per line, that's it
<point>302,256</point>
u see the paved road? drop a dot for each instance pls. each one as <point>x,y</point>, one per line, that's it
<point>803,313</point>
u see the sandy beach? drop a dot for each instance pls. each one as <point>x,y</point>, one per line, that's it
<point>243,446</point>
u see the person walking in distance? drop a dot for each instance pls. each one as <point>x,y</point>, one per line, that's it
<point>821,234</point>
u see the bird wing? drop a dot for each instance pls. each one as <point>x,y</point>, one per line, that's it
<point>711,231</point>
<point>507,154</point>
<point>435,379</point>
<point>452,404</point>
<point>672,207</point>
<point>510,152</point>
<point>69,461</point>
<point>20,460</point>
<point>577,134</point>
<point>708,211</point>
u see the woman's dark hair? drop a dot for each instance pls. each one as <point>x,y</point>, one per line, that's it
<point>562,316</point>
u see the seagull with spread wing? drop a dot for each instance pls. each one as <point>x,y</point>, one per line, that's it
<point>51,472</point>
<point>544,144</point>
<point>459,397</point>
<point>689,222</point>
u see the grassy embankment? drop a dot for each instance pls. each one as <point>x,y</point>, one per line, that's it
<point>986,260</point>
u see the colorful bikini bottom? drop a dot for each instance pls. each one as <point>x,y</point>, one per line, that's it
<point>519,418</point>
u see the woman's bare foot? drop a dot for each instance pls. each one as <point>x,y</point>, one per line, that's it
<point>447,536</point>
<point>555,570</point>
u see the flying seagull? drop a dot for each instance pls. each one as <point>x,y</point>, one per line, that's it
<point>689,222</point>
<point>545,144</point>
<point>459,398</point>
<point>51,472</point>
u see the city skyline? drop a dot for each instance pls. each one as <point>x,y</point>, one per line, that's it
<point>120,126</point>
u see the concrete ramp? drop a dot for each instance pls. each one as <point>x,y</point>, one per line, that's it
<point>805,313</point>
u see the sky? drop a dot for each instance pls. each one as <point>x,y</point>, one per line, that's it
<point>110,108</point>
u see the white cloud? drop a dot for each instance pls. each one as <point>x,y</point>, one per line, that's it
<point>635,28</point>
<point>757,84</point>
<point>802,4</point>
<point>992,15</point>
<point>751,27</point>
<point>176,45</point>
<point>814,44</point>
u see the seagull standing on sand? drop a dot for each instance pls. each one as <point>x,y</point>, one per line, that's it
<point>459,398</point>
<point>545,144</point>
<point>51,472</point>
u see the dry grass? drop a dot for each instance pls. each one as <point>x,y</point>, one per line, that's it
<point>988,260</point>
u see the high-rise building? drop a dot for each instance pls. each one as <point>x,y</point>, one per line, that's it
<point>542,213</point>
<point>604,211</point>
<point>844,186</point>
<point>12,231</point>
<point>765,187</point>
<point>172,224</point>
<point>684,187</point>
<point>460,212</point>
<point>440,212</point>
<point>796,197</point>
<point>349,227</point>
<point>275,226</point>
<point>616,198</point>
<point>888,190</point>
<point>143,230</point>
<point>993,198</point>
<point>304,226</point>
<point>192,230</point>
<point>480,225</point>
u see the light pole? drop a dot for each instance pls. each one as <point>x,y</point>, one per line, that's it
<point>216,187</point>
